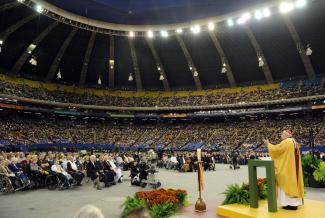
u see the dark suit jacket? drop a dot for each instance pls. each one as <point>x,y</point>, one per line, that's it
<point>92,170</point>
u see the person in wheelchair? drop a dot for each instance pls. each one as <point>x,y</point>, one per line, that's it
<point>18,171</point>
<point>72,169</point>
<point>65,178</point>
<point>10,182</point>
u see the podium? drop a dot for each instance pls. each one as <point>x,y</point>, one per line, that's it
<point>271,186</point>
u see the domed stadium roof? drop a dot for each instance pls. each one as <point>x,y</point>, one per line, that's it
<point>151,11</point>
<point>48,46</point>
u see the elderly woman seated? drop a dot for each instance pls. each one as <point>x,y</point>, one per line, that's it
<point>66,178</point>
<point>18,171</point>
<point>5,172</point>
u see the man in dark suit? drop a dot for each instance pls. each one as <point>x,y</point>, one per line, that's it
<point>109,172</point>
<point>93,171</point>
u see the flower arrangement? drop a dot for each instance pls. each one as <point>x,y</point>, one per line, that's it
<point>161,203</point>
<point>239,194</point>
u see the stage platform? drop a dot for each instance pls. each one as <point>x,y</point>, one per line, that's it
<point>311,209</point>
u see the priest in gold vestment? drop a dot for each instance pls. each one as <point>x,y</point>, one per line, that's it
<point>288,170</point>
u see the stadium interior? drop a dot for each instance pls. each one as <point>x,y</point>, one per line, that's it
<point>147,82</point>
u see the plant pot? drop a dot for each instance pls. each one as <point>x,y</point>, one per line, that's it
<point>314,184</point>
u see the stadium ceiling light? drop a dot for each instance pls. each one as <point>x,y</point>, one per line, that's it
<point>300,3</point>
<point>161,77</point>
<point>230,22</point>
<point>130,79</point>
<point>131,34</point>
<point>1,42</point>
<point>191,68</point>
<point>247,16</point>
<point>211,26</point>
<point>150,34</point>
<point>159,68</point>
<point>309,51</point>
<point>258,15</point>
<point>164,33</point>
<point>58,75</point>
<point>195,74</point>
<point>260,62</point>
<point>196,29</point>
<point>240,21</point>
<point>266,12</point>
<point>286,7</point>
<point>179,31</point>
<point>224,69</point>
<point>99,81</point>
<point>39,8</point>
<point>33,61</point>
<point>21,1</point>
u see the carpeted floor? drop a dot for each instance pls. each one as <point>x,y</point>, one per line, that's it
<point>63,204</point>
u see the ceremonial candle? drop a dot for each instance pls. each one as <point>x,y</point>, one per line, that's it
<point>198,154</point>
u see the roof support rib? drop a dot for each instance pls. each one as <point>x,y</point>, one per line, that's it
<point>190,62</point>
<point>111,69</point>
<point>59,55</point>
<point>260,55</point>
<point>9,5</point>
<point>5,34</point>
<point>24,56</point>
<point>301,49</point>
<point>217,45</point>
<point>136,70</point>
<point>160,67</point>
<point>85,65</point>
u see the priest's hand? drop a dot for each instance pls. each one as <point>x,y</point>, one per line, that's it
<point>266,141</point>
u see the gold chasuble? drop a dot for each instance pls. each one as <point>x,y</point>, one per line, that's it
<point>288,170</point>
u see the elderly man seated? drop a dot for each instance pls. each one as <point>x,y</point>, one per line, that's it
<point>65,177</point>
<point>17,170</point>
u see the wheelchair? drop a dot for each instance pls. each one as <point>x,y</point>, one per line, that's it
<point>57,180</point>
<point>6,185</point>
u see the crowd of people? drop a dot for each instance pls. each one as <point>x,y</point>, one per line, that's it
<point>35,170</point>
<point>18,130</point>
<point>296,91</point>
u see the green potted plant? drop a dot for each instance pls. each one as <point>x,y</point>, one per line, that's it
<point>319,175</point>
<point>309,165</point>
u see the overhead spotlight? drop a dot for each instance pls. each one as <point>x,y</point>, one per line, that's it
<point>99,81</point>
<point>39,9</point>
<point>33,61</point>
<point>309,51</point>
<point>224,69</point>
<point>196,29</point>
<point>179,30</point>
<point>158,68</point>
<point>191,68</point>
<point>164,33</point>
<point>21,1</point>
<point>258,15</point>
<point>131,34</point>
<point>246,16</point>
<point>266,12</point>
<point>161,77</point>
<point>260,62</point>
<point>211,26</point>
<point>58,75</point>
<point>300,3</point>
<point>286,7</point>
<point>130,79</point>
<point>1,42</point>
<point>195,74</point>
<point>240,21</point>
<point>150,34</point>
<point>230,22</point>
